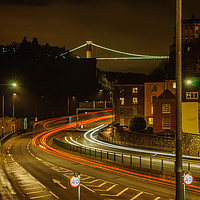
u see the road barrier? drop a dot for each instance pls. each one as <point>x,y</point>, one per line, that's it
<point>7,137</point>
<point>135,160</point>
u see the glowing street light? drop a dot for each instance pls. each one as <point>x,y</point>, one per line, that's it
<point>188,82</point>
<point>3,104</point>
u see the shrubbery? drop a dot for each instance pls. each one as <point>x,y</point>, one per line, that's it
<point>137,123</point>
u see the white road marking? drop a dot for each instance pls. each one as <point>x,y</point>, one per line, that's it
<point>137,195</point>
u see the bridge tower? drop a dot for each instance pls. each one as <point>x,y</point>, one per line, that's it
<point>89,49</point>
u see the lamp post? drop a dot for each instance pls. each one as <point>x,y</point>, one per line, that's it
<point>14,95</point>
<point>3,105</point>
<point>178,167</point>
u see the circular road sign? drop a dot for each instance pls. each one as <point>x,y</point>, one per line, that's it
<point>75,181</point>
<point>188,179</point>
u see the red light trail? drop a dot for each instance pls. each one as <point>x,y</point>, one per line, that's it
<point>42,137</point>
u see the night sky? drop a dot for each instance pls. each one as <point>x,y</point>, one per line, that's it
<point>136,26</point>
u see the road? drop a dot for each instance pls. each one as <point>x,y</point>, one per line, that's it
<point>44,172</point>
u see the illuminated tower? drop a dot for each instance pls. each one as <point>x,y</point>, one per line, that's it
<point>89,49</point>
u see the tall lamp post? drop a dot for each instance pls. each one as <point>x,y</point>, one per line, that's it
<point>178,167</point>
<point>14,96</point>
<point>3,105</point>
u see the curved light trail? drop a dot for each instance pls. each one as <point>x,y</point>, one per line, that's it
<point>93,140</point>
<point>42,138</point>
<point>47,121</point>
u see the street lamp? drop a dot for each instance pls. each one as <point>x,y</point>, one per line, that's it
<point>188,82</point>
<point>13,84</point>
<point>14,95</point>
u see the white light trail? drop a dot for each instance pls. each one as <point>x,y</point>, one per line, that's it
<point>98,142</point>
<point>131,149</point>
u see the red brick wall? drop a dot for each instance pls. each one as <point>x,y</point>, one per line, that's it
<point>158,115</point>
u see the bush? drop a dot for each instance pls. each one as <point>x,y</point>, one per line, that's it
<point>137,123</point>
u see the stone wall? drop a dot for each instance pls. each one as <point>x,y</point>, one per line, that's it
<point>191,142</point>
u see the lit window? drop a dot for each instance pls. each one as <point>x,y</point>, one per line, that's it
<point>151,110</point>
<point>165,108</point>
<point>174,84</point>
<point>135,90</point>
<point>122,101</point>
<point>192,95</point>
<point>135,100</point>
<point>153,88</point>
<point>151,121</point>
<point>165,123</point>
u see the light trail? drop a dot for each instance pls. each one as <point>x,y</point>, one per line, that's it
<point>66,117</point>
<point>78,159</point>
<point>93,140</point>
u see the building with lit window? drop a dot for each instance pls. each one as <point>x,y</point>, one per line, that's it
<point>191,30</point>
<point>6,49</point>
<point>129,102</point>
<point>164,112</point>
<point>151,91</point>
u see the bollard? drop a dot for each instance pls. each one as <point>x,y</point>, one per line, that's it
<point>150,163</point>
<point>130,159</point>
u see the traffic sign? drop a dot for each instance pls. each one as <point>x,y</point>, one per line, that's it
<point>188,179</point>
<point>75,181</point>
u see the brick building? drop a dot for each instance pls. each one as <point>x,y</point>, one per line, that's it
<point>153,90</point>
<point>164,112</point>
<point>129,102</point>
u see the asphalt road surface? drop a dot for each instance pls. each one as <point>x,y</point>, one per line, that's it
<point>45,173</point>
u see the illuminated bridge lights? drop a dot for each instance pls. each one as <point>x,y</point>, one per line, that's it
<point>134,55</point>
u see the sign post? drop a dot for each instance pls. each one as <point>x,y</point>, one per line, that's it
<point>187,180</point>
<point>75,181</point>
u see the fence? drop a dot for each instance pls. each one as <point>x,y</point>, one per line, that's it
<point>151,163</point>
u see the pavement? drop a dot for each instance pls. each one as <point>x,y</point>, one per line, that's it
<point>6,190</point>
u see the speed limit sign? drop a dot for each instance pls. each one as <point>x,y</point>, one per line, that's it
<point>188,179</point>
<point>75,181</point>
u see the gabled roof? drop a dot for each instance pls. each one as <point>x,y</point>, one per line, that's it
<point>167,94</point>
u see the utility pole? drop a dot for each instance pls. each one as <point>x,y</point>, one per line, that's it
<point>178,167</point>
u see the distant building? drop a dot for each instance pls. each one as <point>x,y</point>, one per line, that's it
<point>129,102</point>
<point>7,49</point>
<point>191,30</point>
<point>151,91</point>
<point>190,50</point>
<point>164,115</point>
<point>164,112</point>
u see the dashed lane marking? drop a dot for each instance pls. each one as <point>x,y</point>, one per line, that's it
<point>115,195</point>
<point>87,188</point>
<point>137,195</point>
<point>89,183</point>
<point>107,189</point>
